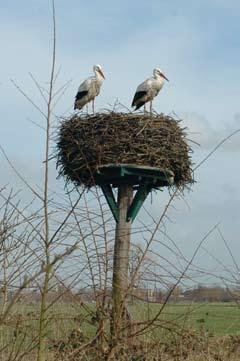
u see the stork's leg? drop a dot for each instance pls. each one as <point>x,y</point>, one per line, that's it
<point>151,107</point>
<point>87,107</point>
<point>145,108</point>
<point>93,107</point>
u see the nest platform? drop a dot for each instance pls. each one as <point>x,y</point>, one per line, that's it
<point>116,148</point>
<point>134,175</point>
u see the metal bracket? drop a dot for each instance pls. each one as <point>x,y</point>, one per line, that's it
<point>135,206</point>
<point>108,193</point>
<point>138,201</point>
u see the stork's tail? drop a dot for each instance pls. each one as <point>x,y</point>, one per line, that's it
<point>138,105</point>
<point>76,105</point>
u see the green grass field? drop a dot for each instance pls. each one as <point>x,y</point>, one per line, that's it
<point>217,318</point>
<point>210,319</point>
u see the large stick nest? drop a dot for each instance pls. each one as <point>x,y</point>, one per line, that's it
<point>88,142</point>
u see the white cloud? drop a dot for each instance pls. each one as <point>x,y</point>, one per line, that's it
<point>209,135</point>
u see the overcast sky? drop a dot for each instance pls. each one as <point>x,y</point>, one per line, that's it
<point>196,44</point>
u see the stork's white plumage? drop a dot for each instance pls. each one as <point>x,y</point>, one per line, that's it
<point>149,89</point>
<point>89,89</point>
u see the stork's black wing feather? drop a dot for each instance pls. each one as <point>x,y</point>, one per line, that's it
<point>139,105</point>
<point>81,94</point>
<point>138,95</point>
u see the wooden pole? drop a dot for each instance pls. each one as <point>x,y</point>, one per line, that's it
<point>121,261</point>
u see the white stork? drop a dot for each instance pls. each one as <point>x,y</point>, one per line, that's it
<point>148,90</point>
<point>89,89</point>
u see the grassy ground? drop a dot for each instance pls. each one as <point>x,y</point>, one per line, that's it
<point>217,318</point>
<point>196,323</point>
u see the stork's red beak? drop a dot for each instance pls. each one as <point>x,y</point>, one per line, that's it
<point>100,71</point>
<point>164,76</point>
